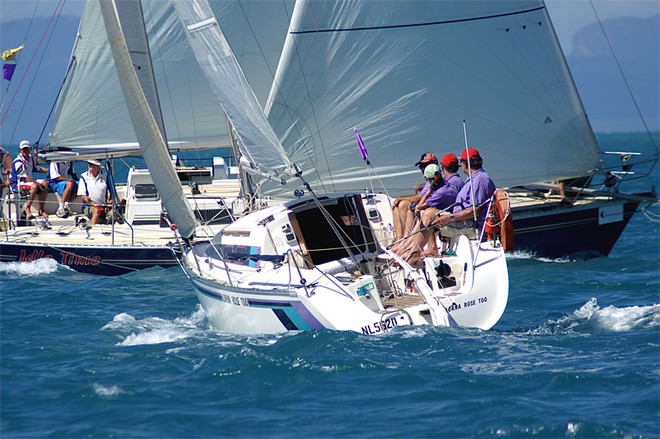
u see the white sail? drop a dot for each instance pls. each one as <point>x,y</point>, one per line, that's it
<point>407,74</point>
<point>144,123</point>
<point>91,115</point>
<point>259,144</point>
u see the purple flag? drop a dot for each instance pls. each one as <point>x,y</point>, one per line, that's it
<point>8,71</point>
<point>363,149</point>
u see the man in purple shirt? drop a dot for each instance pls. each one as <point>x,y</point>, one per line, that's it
<point>401,205</point>
<point>461,221</point>
<point>445,185</point>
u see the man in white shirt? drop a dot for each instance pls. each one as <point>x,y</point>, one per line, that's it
<point>93,189</point>
<point>62,179</point>
<point>21,174</point>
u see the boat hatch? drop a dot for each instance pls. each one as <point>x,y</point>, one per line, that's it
<point>146,192</point>
<point>316,236</point>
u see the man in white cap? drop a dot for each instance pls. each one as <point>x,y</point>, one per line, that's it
<point>21,174</point>
<point>93,189</point>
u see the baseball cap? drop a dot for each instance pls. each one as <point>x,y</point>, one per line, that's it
<point>473,152</point>
<point>94,162</point>
<point>448,159</point>
<point>426,158</point>
<point>24,144</point>
<point>431,170</point>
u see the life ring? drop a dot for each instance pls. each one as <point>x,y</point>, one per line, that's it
<point>500,221</point>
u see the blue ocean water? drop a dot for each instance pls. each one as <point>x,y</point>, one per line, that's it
<point>576,354</point>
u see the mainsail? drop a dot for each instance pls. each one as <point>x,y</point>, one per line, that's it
<point>259,145</point>
<point>407,74</point>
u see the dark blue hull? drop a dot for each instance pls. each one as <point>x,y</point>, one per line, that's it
<point>582,232</point>
<point>103,260</point>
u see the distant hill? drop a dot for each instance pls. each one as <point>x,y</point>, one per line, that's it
<point>636,44</point>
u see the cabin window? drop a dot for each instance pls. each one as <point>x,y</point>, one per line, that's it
<point>319,239</point>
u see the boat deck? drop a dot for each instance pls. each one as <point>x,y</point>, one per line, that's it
<point>403,301</point>
<point>524,200</point>
<point>63,231</point>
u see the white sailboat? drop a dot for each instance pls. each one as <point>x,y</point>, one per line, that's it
<point>313,262</point>
<point>91,122</point>
<point>409,72</point>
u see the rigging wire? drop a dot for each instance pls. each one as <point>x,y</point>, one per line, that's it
<point>623,76</point>
<point>59,92</point>
<point>18,55</point>
<point>27,69</point>
<point>275,85</point>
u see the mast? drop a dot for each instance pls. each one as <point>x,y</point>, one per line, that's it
<point>146,128</point>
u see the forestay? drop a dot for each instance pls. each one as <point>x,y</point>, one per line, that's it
<point>407,74</point>
<point>259,144</point>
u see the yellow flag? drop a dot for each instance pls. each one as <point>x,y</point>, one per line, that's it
<point>10,54</point>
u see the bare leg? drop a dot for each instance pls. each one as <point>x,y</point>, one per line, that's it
<point>42,202</point>
<point>33,194</point>
<point>432,247</point>
<point>67,194</point>
<point>399,214</point>
<point>411,221</point>
<point>96,215</point>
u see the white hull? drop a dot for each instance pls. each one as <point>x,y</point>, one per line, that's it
<point>277,297</point>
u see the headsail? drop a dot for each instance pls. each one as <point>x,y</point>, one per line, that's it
<point>260,147</point>
<point>91,116</point>
<point>146,128</point>
<point>408,74</point>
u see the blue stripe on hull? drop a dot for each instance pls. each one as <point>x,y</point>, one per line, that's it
<point>292,314</point>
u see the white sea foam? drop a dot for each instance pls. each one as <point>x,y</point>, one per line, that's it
<point>153,330</point>
<point>34,268</point>
<point>107,391</point>
<point>520,254</point>
<point>156,336</point>
<point>616,319</point>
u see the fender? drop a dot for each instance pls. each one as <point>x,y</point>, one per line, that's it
<point>500,220</point>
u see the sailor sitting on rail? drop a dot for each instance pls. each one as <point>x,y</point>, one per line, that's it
<point>93,189</point>
<point>477,191</point>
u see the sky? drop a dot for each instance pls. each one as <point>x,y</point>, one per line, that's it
<point>569,17</point>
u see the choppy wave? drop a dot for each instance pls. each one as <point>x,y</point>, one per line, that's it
<point>611,318</point>
<point>154,330</point>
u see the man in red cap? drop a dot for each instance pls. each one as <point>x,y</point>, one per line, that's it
<point>471,202</point>
<point>401,205</point>
<point>442,196</point>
